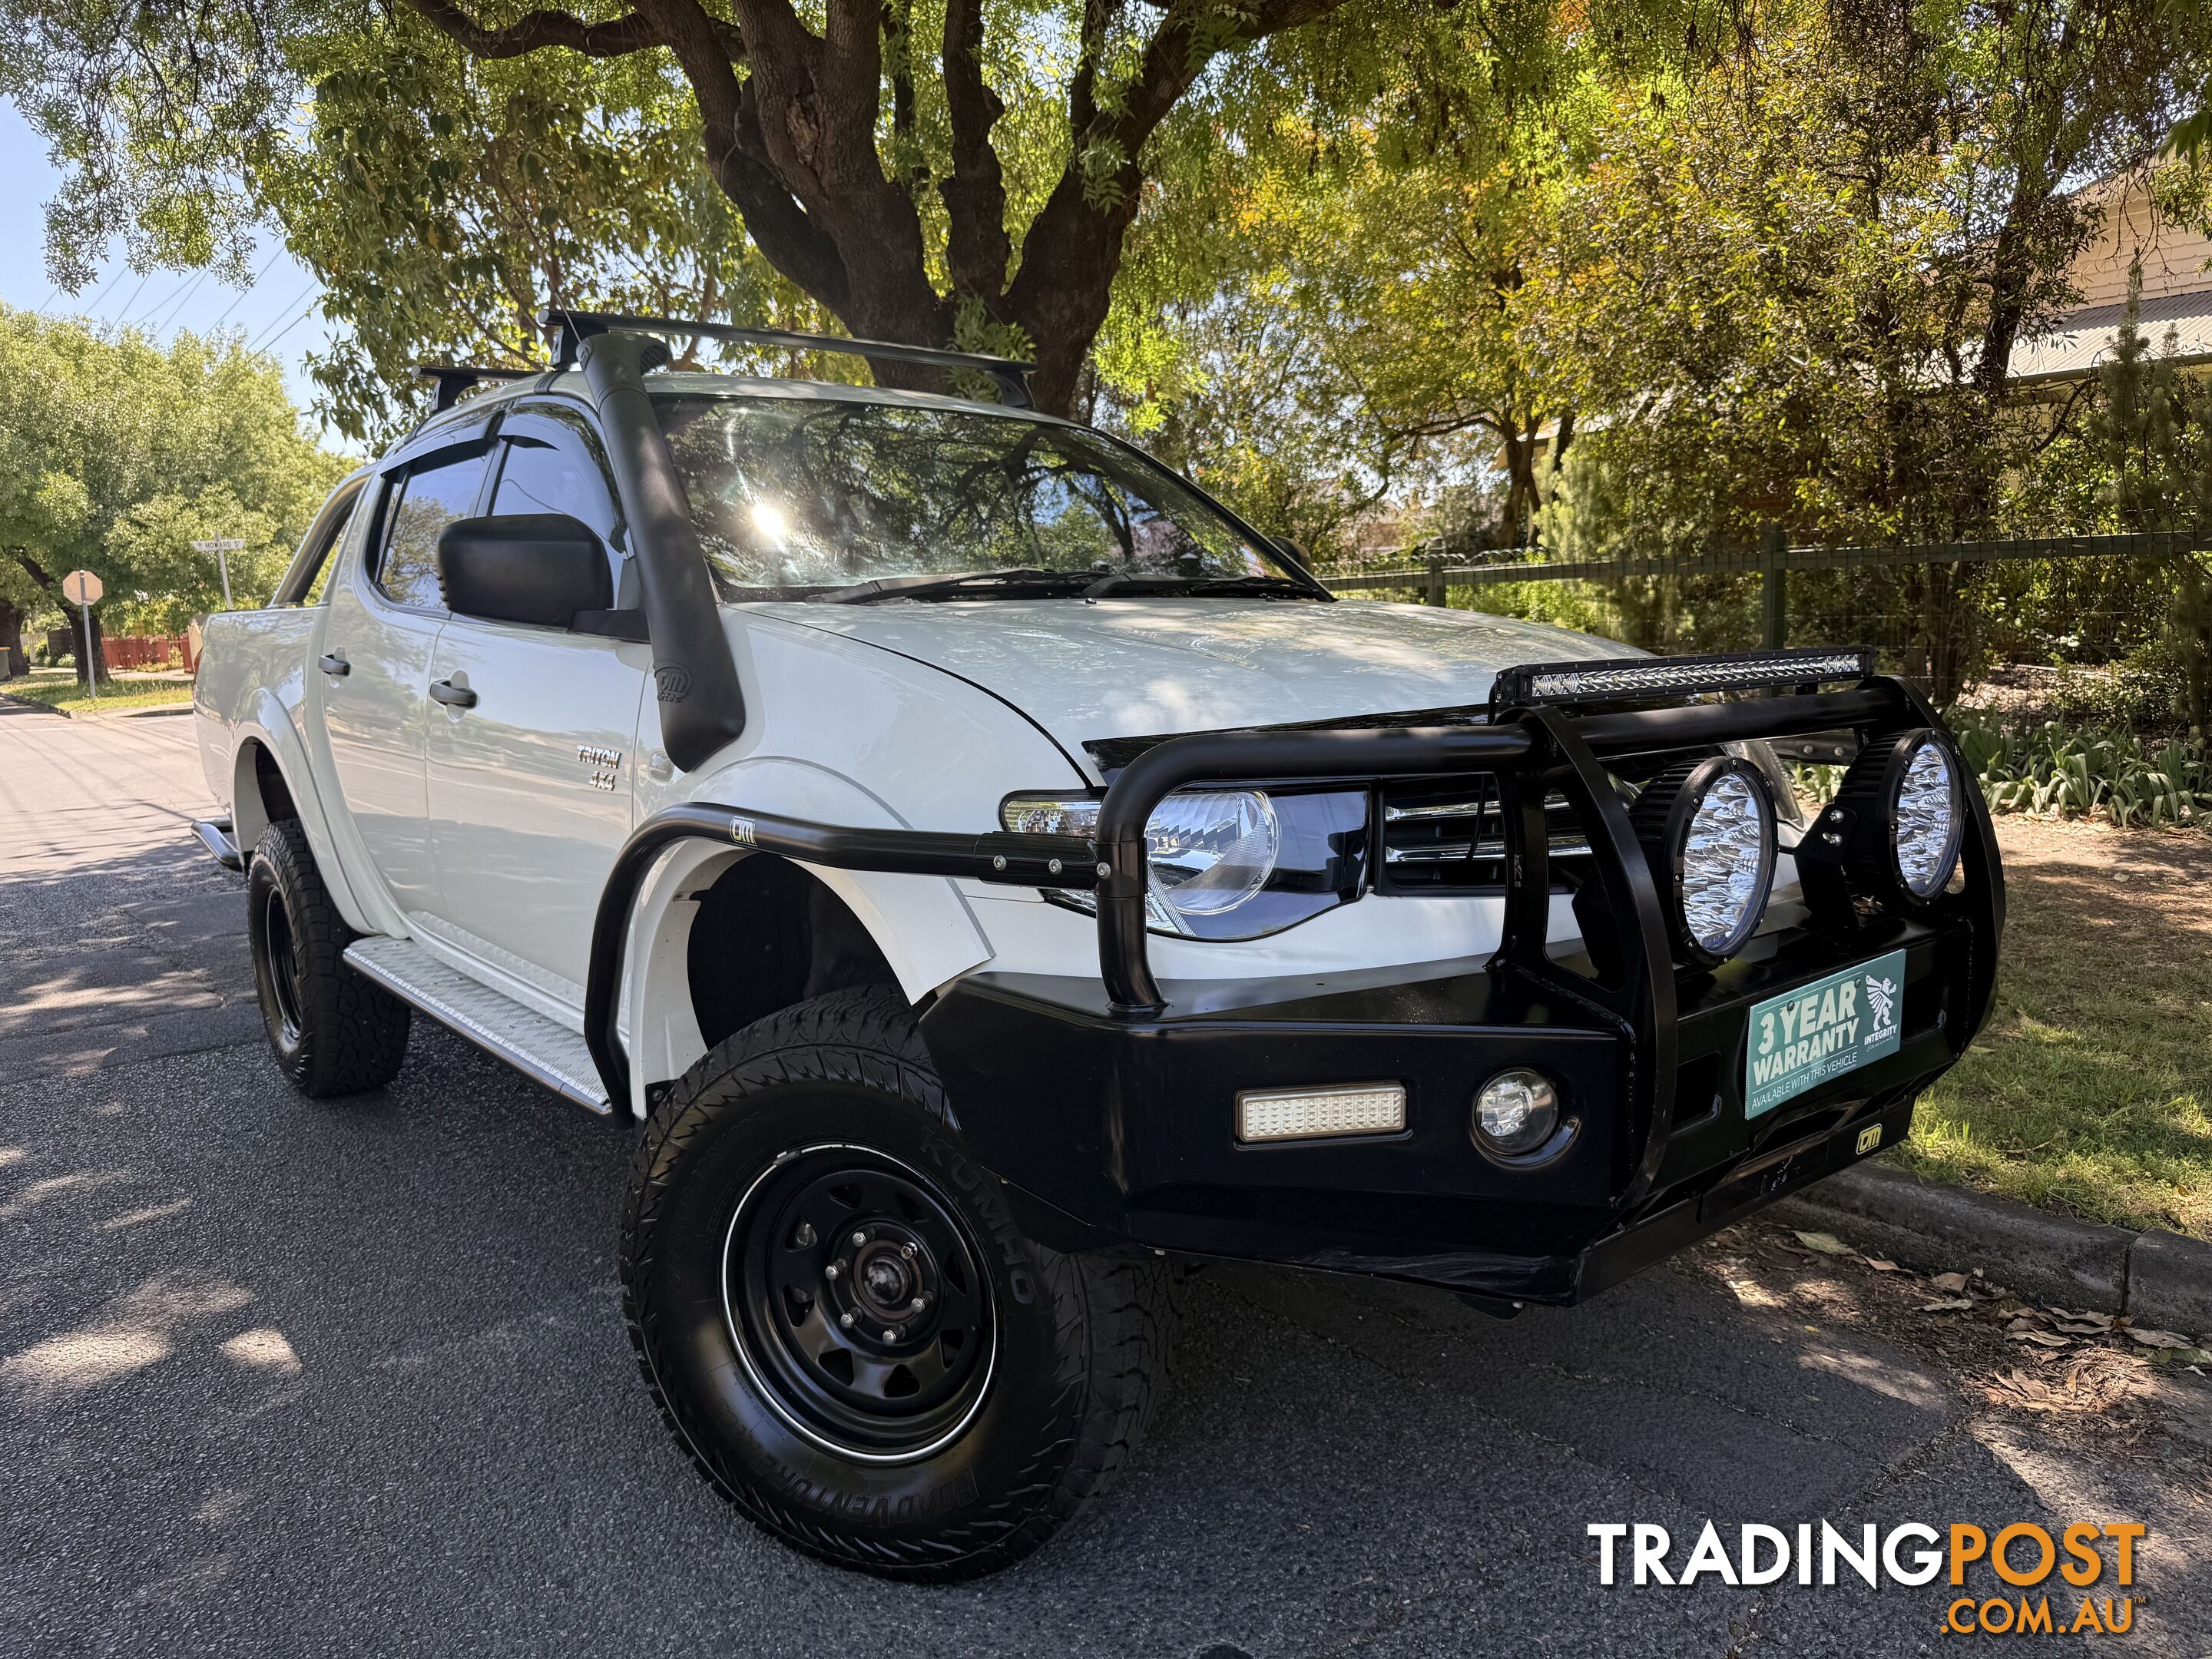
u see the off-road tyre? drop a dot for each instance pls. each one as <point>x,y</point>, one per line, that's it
<point>1080,1340</point>
<point>333,1031</point>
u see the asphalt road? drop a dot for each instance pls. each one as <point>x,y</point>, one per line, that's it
<point>290,1377</point>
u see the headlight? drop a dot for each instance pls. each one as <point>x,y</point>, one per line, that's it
<point>1898,817</point>
<point>1208,853</point>
<point>1226,863</point>
<point>1708,831</point>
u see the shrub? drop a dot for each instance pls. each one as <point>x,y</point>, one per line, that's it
<point>2068,770</point>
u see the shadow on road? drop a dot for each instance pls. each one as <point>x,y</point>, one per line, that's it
<point>285,1376</point>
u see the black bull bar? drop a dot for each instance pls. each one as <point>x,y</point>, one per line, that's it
<point>1071,1181</point>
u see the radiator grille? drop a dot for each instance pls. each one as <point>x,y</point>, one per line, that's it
<point>1450,837</point>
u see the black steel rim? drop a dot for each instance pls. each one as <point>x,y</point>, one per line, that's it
<point>858,1303</point>
<point>283,967</point>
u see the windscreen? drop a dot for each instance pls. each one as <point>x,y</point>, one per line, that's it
<point>796,496</point>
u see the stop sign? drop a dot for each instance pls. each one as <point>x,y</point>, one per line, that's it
<point>81,588</point>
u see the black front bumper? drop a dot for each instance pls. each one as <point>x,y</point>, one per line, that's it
<point>1108,1130</point>
<point>1106,1105</point>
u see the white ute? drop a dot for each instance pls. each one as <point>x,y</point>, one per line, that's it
<point>734,754</point>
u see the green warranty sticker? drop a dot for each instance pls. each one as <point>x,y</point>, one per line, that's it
<point>1822,1030</point>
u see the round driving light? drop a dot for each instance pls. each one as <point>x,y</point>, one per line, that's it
<point>1900,817</point>
<point>1708,831</point>
<point>1926,815</point>
<point>1516,1112</point>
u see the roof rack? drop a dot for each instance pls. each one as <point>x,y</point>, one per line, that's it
<point>572,328</point>
<point>454,379</point>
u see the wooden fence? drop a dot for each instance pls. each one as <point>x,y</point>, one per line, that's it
<point>138,651</point>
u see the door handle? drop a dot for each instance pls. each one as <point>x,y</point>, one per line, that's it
<point>453,696</point>
<point>335,666</point>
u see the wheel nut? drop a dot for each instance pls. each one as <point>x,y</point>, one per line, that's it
<point>918,1303</point>
<point>909,1250</point>
<point>890,1336</point>
<point>831,1271</point>
<point>846,1320</point>
<point>859,1239</point>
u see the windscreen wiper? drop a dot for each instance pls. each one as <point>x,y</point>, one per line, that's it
<point>1138,582</point>
<point>982,583</point>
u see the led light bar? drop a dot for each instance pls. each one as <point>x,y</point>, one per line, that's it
<point>1357,1108</point>
<point>1596,682</point>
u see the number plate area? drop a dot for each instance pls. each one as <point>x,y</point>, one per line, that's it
<point>1822,1030</point>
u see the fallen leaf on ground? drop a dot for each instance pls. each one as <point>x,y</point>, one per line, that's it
<point>1882,1267</point>
<point>1825,1244</point>
<point>2192,1358</point>
<point>1952,1282</point>
<point>2084,1327</point>
<point>2159,1339</point>
<point>2041,1338</point>
<point>1948,1304</point>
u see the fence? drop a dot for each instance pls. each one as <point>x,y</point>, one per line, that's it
<point>1772,564</point>
<point>126,651</point>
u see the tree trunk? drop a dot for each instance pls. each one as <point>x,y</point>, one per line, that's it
<point>794,144</point>
<point>1518,516</point>
<point>51,585</point>
<point>11,639</point>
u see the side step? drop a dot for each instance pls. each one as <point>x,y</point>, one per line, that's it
<point>550,1054</point>
<point>215,836</point>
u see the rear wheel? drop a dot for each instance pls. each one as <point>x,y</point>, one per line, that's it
<point>333,1031</point>
<point>842,1322</point>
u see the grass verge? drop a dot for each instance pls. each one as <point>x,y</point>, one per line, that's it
<point>2090,1090</point>
<point>62,692</point>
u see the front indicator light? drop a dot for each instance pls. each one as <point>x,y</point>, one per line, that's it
<point>1516,1112</point>
<point>1361,1108</point>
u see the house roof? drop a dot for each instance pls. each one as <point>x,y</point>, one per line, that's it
<point>2176,326</point>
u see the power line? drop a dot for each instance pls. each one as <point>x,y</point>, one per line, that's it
<point>257,343</point>
<point>170,315</point>
<point>133,299</point>
<point>93,304</point>
<point>289,328</point>
<point>248,288</point>
<point>173,292</point>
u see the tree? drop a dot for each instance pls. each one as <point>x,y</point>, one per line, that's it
<point>1337,291</point>
<point>116,453</point>
<point>442,202</point>
<point>924,172</point>
<point>2150,432</point>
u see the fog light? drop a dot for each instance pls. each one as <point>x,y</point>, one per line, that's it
<point>1516,1112</point>
<point>1359,1109</point>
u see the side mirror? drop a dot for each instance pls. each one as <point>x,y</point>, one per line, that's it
<point>539,569</point>
<point>1297,551</point>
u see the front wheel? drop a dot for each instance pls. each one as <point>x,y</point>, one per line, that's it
<point>842,1322</point>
